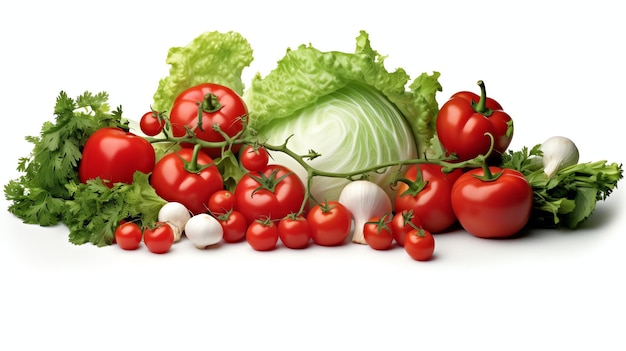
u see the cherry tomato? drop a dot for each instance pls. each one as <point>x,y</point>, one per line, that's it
<point>151,123</point>
<point>254,158</point>
<point>159,239</point>
<point>175,178</point>
<point>219,106</point>
<point>465,118</point>
<point>294,232</point>
<point>426,190</point>
<point>262,235</point>
<point>402,223</point>
<point>128,236</point>
<point>221,201</point>
<point>377,232</point>
<point>494,208</point>
<point>115,155</point>
<point>419,244</point>
<point>234,226</point>
<point>272,193</point>
<point>330,223</point>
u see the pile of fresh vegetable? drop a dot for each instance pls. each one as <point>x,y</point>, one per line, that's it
<point>212,162</point>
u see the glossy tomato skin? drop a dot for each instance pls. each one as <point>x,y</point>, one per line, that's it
<point>432,204</point>
<point>221,202</point>
<point>114,155</point>
<point>256,202</point>
<point>151,123</point>
<point>159,239</point>
<point>262,236</point>
<point>403,223</point>
<point>492,209</point>
<point>254,158</point>
<point>228,116</point>
<point>173,182</point>
<point>420,245</point>
<point>234,226</point>
<point>128,236</point>
<point>461,130</point>
<point>294,232</point>
<point>330,223</point>
<point>378,233</point>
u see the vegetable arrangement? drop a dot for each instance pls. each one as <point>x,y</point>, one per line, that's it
<point>213,162</point>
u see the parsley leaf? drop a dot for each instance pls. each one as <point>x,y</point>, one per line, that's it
<point>569,197</point>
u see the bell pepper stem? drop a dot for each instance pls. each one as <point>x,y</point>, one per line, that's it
<point>481,105</point>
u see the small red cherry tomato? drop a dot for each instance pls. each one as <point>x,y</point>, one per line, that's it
<point>294,232</point>
<point>403,223</point>
<point>221,202</point>
<point>160,238</point>
<point>419,244</point>
<point>330,223</point>
<point>254,158</point>
<point>151,123</point>
<point>128,235</point>
<point>234,225</point>
<point>377,232</point>
<point>262,235</point>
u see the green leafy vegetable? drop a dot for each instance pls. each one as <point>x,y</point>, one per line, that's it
<point>346,107</point>
<point>49,192</point>
<point>568,197</point>
<point>211,57</point>
<point>38,194</point>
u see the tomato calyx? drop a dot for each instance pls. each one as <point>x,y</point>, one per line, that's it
<point>407,219</point>
<point>192,166</point>
<point>209,104</point>
<point>268,183</point>
<point>382,222</point>
<point>414,187</point>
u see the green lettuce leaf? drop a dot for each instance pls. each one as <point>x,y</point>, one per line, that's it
<point>306,74</point>
<point>211,57</point>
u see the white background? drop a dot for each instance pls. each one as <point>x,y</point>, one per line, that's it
<point>557,69</point>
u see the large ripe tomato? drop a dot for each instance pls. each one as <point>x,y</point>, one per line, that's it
<point>426,191</point>
<point>115,155</point>
<point>463,121</point>
<point>273,193</point>
<point>177,178</point>
<point>494,208</point>
<point>330,223</point>
<point>218,105</point>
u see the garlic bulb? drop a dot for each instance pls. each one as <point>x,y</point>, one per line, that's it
<point>558,152</point>
<point>365,200</point>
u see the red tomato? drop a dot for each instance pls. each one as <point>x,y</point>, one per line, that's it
<point>221,201</point>
<point>128,236</point>
<point>175,179</point>
<point>159,239</point>
<point>262,235</point>
<point>254,158</point>
<point>427,194</point>
<point>294,232</point>
<point>151,123</point>
<point>377,233</point>
<point>330,223</point>
<point>234,226</point>
<point>219,106</point>
<point>273,193</point>
<point>115,155</point>
<point>463,121</point>
<point>494,208</point>
<point>420,245</point>
<point>403,223</point>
